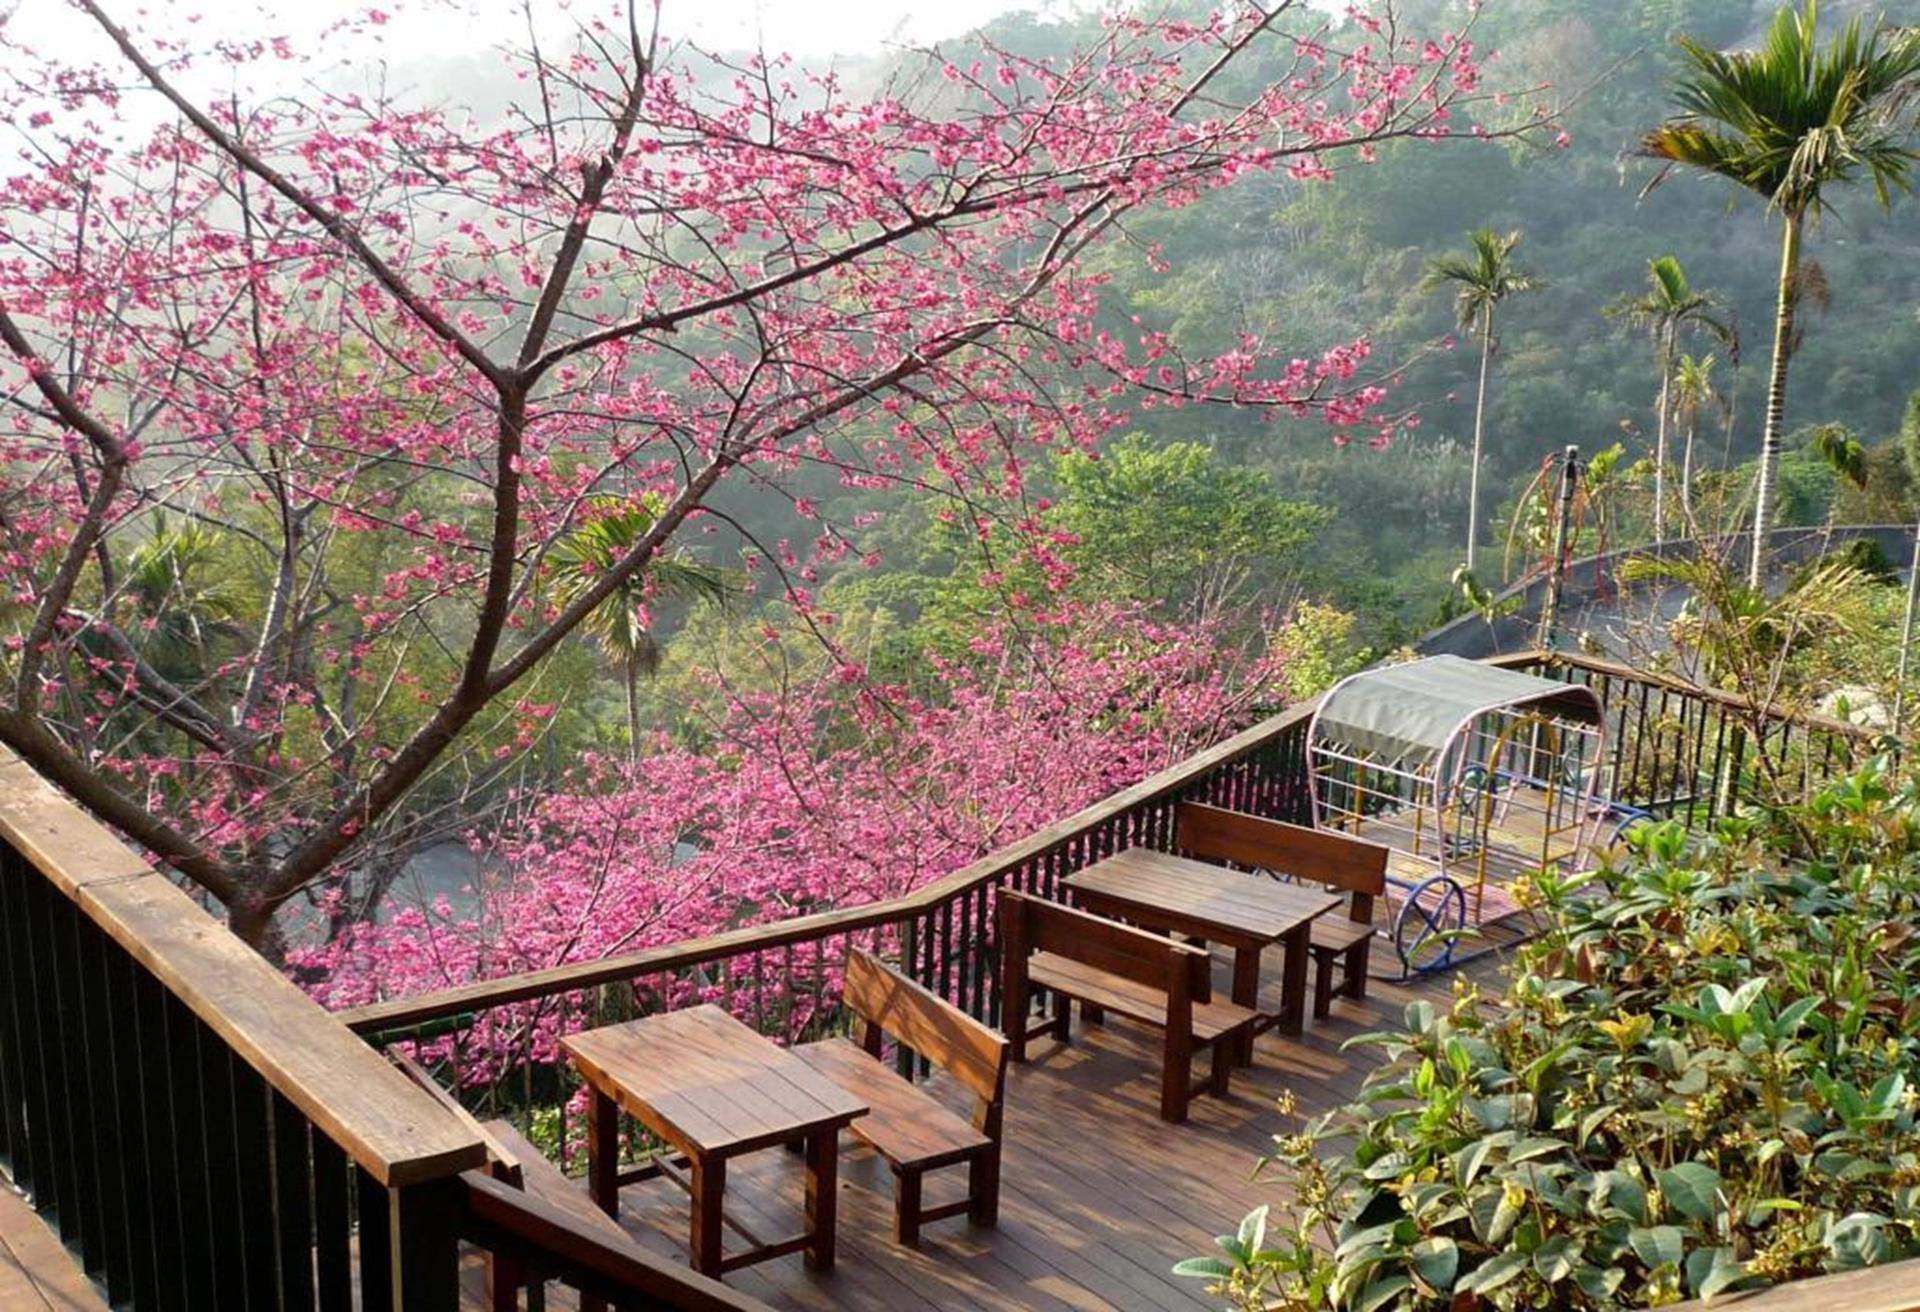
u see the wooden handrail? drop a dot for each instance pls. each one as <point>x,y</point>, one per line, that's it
<point>1672,683</point>
<point>400,1013</point>
<point>522,1226</point>
<point>1891,1288</point>
<point>346,1089</point>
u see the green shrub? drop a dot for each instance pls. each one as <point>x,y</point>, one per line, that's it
<point>1699,1078</point>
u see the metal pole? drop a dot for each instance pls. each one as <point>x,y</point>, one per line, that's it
<point>1906,629</point>
<point>1562,544</point>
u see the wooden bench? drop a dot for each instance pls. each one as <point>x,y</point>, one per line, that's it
<point>912,1131</point>
<point>514,1162</point>
<point>1317,856</point>
<point>1108,966</point>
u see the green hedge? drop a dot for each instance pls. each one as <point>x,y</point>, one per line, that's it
<point>1699,1078</point>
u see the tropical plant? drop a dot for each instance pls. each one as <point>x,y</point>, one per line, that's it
<point>623,622</point>
<point>173,583</point>
<point>1480,281</point>
<point>1693,394</point>
<point>1788,120</point>
<point>1698,1078</point>
<point>1670,306</point>
<point>1752,642</point>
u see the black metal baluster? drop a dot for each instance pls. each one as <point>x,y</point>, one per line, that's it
<point>293,1205</point>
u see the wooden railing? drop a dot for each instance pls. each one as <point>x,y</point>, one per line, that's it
<point>200,1133</point>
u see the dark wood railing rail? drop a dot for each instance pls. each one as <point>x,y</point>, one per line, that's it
<point>199,1132</point>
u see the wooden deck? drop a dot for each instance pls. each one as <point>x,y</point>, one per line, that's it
<point>1099,1199</point>
<point>37,1274</point>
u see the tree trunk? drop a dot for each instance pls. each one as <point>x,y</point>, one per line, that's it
<point>1479,428</point>
<point>1660,442</point>
<point>1763,508</point>
<point>1686,477</point>
<point>633,711</point>
<point>1906,632</point>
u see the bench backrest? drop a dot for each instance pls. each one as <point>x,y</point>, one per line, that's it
<point>1320,856</point>
<point>1029,925</point>
<point>958,1044</point>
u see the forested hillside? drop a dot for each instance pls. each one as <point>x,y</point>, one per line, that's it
<point>1315,263</point>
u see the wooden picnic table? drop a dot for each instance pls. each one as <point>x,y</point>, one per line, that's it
<point>1245,912</point>
<point>713,1089</point>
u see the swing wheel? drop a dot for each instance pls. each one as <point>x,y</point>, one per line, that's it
<point>1426,927</point>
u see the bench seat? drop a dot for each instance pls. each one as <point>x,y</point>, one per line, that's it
<point>1125,997</point>
<point>1331,934</point>
<point>550,1184</point>
<point>907,1126</point>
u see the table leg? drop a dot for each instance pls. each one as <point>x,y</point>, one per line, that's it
<point>823,1196</point>
<point>709,1196</point>
<point>1246,993</point>
<point>1293,979</point>
<point>603,1153</point>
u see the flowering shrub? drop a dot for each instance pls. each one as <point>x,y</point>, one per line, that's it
<point>827,794</point>
<point>1698,1081</point>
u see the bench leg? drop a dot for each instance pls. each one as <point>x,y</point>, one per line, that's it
<point>983,1188</point>
<point>1322,984</point>
<point>1091,1014</point>
<point>1176,1079</point>
<point>1226,1051</point>
<point>906,1208</point>
<point>1063,1017</point>
<point>1355,984</point>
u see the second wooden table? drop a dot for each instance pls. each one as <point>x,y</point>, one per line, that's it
<point>714,1089</point>
<point>1245,912</point>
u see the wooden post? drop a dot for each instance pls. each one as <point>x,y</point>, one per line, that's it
<point>424,1246</point>
<point>1562,545</point>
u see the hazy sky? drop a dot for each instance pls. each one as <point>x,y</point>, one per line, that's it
<point>801,27</point>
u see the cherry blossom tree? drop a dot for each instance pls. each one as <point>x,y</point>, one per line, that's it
<point>392,354</point>
<point>816,790</point>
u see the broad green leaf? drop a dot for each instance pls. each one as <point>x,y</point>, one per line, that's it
<point>1692,1189</point>
<point>1660,1245</point>
<point>1492,1273</point>
<point>1437,1261</point>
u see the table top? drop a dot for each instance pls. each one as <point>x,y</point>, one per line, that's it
<point>709,1084</point>
<point>1199,897</point>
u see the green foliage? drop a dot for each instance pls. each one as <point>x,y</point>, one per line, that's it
<point>1318,646</point>
<point>1173,524</point>
<point>1482,278</point>
<point>1699,1078</point>
<point>1790,118</point>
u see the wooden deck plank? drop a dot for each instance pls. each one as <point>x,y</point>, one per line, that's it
<point>37,1273</point>
<point>1099,1197</point>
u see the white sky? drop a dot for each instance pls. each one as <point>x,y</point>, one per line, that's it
<point>802,27</point>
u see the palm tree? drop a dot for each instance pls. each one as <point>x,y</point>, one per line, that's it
<point>1786,121</point>
<point>1669,307</point>
<point>622,622</point>
<point>1481,280</point>
<point>1693,393</point>
<point>172,581</point>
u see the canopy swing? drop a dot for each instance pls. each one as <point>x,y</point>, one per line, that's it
<point>1473,775</point>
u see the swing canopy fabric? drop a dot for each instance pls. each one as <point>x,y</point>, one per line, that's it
<point>1409,713</point>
